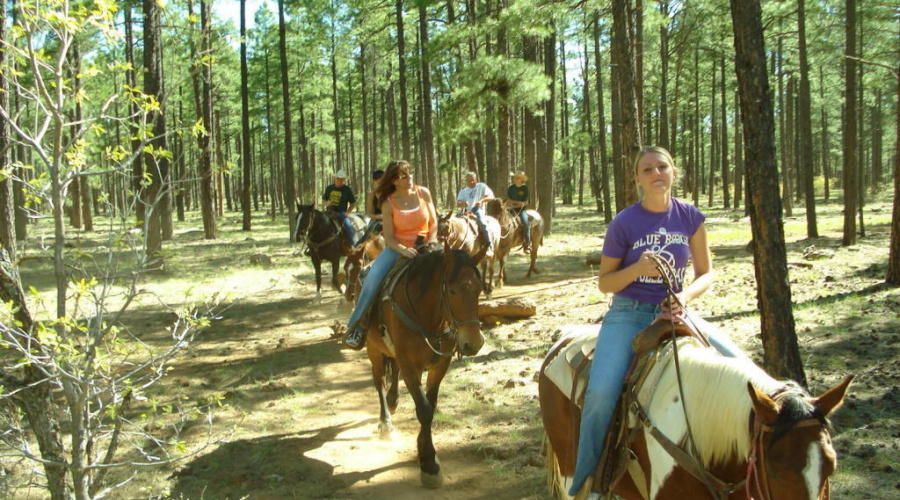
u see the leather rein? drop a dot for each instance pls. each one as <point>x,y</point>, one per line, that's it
<point>413,322</point>
<point>756,462</point>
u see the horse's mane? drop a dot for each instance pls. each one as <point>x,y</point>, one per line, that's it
<point>718,405</point>
<point>496,210</point>
<point>422,268</point>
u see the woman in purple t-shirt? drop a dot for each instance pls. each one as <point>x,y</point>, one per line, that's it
<point>669,228</point>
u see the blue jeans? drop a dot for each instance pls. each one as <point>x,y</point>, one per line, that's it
<point>479,218</point>
<point>523,216</point>
<point>612,358</point>
<point>349,230</point>
<point>380,268</point>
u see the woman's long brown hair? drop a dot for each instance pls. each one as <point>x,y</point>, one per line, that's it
<point>393,172</point>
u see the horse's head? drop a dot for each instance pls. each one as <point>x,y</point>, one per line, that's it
<point>303,222</point>
<point>443,226</point>
<point>460,291</point>
<point>793,444</point>
<point>496,208</point>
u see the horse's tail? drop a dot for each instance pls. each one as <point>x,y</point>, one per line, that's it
<point>554,479</point>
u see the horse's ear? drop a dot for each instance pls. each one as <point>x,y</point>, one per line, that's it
<point>766,409</point>
<point>833,398</point>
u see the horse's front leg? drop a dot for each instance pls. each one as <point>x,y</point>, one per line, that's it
<point>429,468</point>
<point>335,278</point>
<point>317,265</point>
<point>379,365</point>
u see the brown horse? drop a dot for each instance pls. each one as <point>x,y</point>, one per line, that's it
<point>463,233</point>
<point>364,254</point>
<point>430,313</point>
<point>770,444</point>
<point>512,235</point>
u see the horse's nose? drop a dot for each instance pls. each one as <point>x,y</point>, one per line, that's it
<point>469,345</point>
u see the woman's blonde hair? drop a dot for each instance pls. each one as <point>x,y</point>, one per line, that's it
<point>653,149</point>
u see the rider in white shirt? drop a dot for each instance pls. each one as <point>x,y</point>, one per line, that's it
<point>471,198</point>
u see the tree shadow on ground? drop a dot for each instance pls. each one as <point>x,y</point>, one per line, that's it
<point>269,467</point>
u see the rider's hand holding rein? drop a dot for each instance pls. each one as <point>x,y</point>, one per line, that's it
<point>611,279</point>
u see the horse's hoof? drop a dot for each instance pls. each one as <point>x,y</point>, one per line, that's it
<point>432,481</point>
<point>386,432</point>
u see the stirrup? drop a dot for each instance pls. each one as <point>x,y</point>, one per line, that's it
<point>355,339</point>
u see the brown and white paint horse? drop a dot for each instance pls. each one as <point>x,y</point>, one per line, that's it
<point>771,444</point>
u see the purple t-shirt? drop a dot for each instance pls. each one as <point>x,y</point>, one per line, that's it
<point>636,230</point>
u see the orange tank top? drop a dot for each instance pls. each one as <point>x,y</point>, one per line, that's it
<point>410,224</point>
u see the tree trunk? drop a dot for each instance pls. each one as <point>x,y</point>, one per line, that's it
<point>544,181</point>
<point>601,124</point>
<point>664,78</point>
<point>427,119</point>
<point>723,143</point>
<point>849,129</point>
<point>893,270</point>
<point>203,102</point>
<point>246,152</point>
<point>630,134</point>
<point>157,166</point>
<point>781,352</point>
<point>401,81</point>
<point>805,125</point>
<point>289,189</point>
<point>7,207</point>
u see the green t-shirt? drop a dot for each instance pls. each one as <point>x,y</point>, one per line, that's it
<point>517,193</point>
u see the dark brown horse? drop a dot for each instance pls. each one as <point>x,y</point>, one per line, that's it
<point>512,235</point>
<point>324,238</point>
<point>429,314</point>
<point>462,233</point>
<point>772,443</point>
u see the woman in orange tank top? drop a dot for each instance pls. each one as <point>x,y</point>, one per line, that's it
<point>408,213</point>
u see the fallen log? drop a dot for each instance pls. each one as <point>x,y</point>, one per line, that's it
<point>508,308</point>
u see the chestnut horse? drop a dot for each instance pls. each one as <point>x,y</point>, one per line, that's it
<point>361,257</point>
<point>512,235</point>
<point>752,436</point>
<point>324,239</point>
<point>428,314</point>
<point>463,233</point>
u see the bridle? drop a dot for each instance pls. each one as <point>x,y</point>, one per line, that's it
<point>460,237</point>
<point>757,462</point>
<point>307,237</point>
<point>413,322</point>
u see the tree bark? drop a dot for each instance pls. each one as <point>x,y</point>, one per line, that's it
<point>289,190</point>
<point>893,270</point>
<point>623,56</point>
<point>401,81</point>
<point>203,102</point>
<point>601,124</point>
<point>805,125</point>
<point>849,129</point>
<point>7,218</point>
<point>246,152</point>
<point>781,352</point>
<point>157,166</point>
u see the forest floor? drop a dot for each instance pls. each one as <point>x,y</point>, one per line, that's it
<point>297,413</point>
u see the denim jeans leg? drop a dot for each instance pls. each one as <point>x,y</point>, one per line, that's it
<point>479,218</point>
<point>380,268</point>
<point>349,230</point>
<point>523,216</point>
<point>612,357</point>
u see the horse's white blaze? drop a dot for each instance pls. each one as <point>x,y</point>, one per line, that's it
<point>812,473</point>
